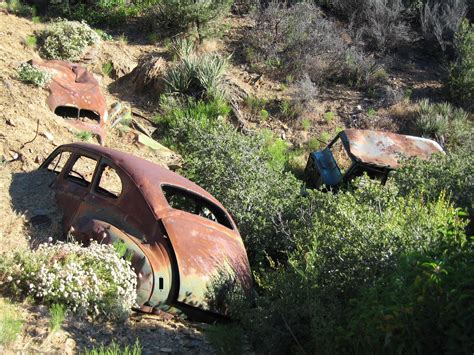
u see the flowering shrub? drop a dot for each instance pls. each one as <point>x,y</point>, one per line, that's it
<point>67,39</point>
<point>92,280</point>
<point>32,75</point>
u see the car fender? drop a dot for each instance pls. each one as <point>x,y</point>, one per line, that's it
<point>87,229</point>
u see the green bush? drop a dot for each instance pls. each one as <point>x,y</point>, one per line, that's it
<point>32,75</point>
<point>176,110</point>
<point>276,150</point>
<point>236,169</point>
<point>57,313</point>
<point>444,122</point>
<point>244,172</point>
<point>184,15</point>
<point>461,78</point>
<point>92,280</point>
<point>10,322</point>
<point>20,9</point>
<point>452,173</point>
<point>345,244</point>
<point>31,41</point>
<point>67,40</point>
<point>201,77</point>
<point>425,305</point>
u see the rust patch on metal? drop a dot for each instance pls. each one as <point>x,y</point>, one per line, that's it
<point>73,86</point>
<point>181,256</point>
<point>385,149</point>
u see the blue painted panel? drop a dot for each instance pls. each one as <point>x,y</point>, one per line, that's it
<point>330,172</point>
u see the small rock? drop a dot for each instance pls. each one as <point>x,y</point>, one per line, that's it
<point>10,122</point>
<point>166,350</point>
<point>39,159</point>
<point>48,136</point>
<point>69,346</point>
<point>14,155</point>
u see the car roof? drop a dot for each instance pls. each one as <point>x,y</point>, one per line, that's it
<point>147,176</point>
<point>385,148</point>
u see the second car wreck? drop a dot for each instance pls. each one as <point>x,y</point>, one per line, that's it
<point>354,152</point>
<point>184,245</point>
<point>75,92</point>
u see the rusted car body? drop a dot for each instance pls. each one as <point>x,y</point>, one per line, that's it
<point>354,152</point>
<point>184,245</point>
<point>75,92</point>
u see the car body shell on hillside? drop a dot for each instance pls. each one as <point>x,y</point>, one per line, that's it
<point>354,152</point>
<point>183,244</point>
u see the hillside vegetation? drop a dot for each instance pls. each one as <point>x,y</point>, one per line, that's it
<point>243,91</point>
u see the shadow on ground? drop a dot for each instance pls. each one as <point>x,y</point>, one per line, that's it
<point>32,197</point>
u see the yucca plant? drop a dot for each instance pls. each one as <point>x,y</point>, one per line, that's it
<point>198,76</point>
<point>443,122</point>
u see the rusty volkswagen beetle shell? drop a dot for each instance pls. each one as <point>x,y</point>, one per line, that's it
<point>183,244</point>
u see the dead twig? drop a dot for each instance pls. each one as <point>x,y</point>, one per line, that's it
<point>36,135</point>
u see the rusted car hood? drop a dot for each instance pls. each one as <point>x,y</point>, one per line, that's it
<point>385,149</point>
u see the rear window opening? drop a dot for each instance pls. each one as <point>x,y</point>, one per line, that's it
<point>109,184</point>
<point>186,201</point>
<point>74,112</point>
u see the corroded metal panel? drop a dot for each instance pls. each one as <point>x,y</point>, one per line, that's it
<point>73,86</point>
<point>207,255</point>
<point>384,149</point>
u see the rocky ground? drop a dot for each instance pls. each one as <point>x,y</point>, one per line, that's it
<point>155,334</point>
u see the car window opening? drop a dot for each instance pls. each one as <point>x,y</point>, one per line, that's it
<point>183,200</point>
<point>109,183</point>
<point>82,171</point>
<point>59,161</point>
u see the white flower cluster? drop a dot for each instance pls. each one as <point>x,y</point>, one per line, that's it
<point>30,74</point>
<point>88,280</point>
<point>67,40</point>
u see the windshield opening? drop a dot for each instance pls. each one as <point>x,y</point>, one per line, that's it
<point>339,152</point>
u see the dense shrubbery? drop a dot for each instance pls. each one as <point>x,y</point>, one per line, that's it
<point>453,173</point>
<point>239,170</point>
<point>426,304</point>
<point>345,245</point>
<point>461,80</point>
<point>67,39</point>
<point>440,21</point>
<point>327,265</point>
<point>88,280</point>
<point>32,75</point>
<point>384,24</point>
<point>182,15</point>
<point>299,39</point>
<point>442,121</point>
